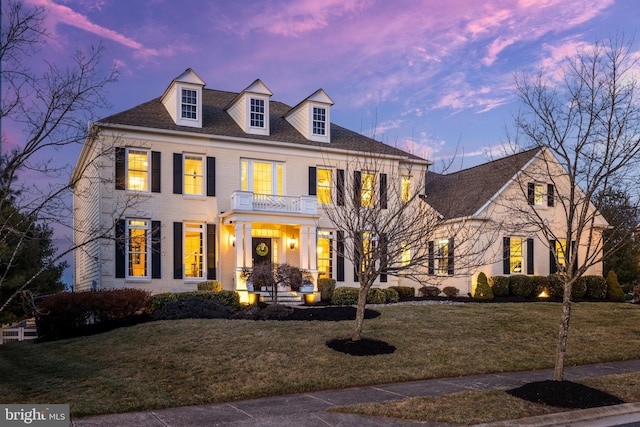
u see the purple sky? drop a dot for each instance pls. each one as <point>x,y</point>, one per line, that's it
<point>428,76</point>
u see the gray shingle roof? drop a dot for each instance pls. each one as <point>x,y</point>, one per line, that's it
<point>463,193</point>
<point>216,121</point>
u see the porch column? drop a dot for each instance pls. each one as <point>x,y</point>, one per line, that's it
<point>239,248</point>
<point>313,248</point>
<point>248,250</point>
<point>304,247</point>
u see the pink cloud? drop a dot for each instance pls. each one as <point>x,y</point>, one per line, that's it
<point>59,14</point>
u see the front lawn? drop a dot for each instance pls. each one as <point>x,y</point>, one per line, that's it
<point>188,362</point>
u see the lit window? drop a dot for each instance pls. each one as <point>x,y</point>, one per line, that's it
<point>515,255</point>
<point>319,120</point>
<point>369,243</point>
<point>193,246</point>
<point>368,198</point>
<point>138,249</point>
<point>406,254</point>
<point>262,177</point>
<point>193,175</point>
<point>257,113</point>
<point>325,255</point>
<point>324,186</point>
<point>189,104</point>
<point>406,188</point>
<point>561,261</point>
<point>443,256</point>
<point>137,170</point>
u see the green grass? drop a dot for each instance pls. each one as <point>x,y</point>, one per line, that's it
<point>188,362</point>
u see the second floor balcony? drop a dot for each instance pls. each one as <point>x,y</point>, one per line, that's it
<point>249,201</point>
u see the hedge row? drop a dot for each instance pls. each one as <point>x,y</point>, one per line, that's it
<point>592,287</point>
<point>349,296</point>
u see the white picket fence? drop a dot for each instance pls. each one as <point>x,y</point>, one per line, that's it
<point>24,330</point>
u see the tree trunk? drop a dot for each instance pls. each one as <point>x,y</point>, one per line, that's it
<point>362,302</point>
<point>563,333</point>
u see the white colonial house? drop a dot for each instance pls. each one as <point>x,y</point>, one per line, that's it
<point>199,184</point>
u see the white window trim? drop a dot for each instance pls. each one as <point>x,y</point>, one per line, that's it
<point>186,121</point>
<point>328,234</point>
<point>326,137</point>
<point>257,130</point>
<point>202,194</point>
<point>147,228</point>
<point>203,256</point>
<point>274,175</point>
<point>126,171</point>
<point>196,105</point>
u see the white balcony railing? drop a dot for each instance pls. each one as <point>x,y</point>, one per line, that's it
<point>248,201</point>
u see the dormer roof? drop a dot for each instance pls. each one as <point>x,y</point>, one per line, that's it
<point>185,92</point>
<point>250,109</point>
<point>311,117</point>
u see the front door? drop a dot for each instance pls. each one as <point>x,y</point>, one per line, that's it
<point>261,250</point>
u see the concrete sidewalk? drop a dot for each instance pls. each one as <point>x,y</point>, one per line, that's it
<point>310,409</point>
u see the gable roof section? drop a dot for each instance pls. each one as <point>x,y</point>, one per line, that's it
<point>461,194</point>
<point>217,122</point>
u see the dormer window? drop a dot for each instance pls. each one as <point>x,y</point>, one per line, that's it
<point>189,104</point>
<point>257,113</point>
<point>319,121</point>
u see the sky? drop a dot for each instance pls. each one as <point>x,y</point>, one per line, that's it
<point>433,77</point>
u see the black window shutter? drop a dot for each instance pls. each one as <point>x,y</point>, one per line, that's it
<point>211,252</point>
<point>120,249</point>
<point>121,153</point>
<point>550,194</point>
<point>177,173</point>
<point>531,193</point>
<point>357,189</point>
<point>383,257</point>
<point>211,176</point>
<point>451,258</point>
<point>553,267</point>
<point>340,187</point>
<point>530,257</point>
<point>156,252</point>
<point>177,250</point>
<point>155,172</point>
<point>431,258</point>
<point>383,191</point>
<point>340,256</point>
<point>506,255</point>
<point>313,181</point>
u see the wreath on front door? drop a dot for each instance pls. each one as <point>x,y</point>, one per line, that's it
<point>262,249</point>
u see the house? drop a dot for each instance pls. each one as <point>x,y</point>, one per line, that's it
<point>505,199</point>
<point>199,184</point>
<point>202,183</point>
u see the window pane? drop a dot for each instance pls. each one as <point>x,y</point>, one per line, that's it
<point>257,113</point>
<point>406,188</point>
<point>538,194</point>
<point>368,189</point>
<point>515,255</point>
<point>193,244</point>
<point>138,170</point>
<point>244,179</point>
<point>560,253</point>
<point>319,120</point>
<point>193,175</point>
<point>137,248</point>
<point>325,255</point>
<point>406,254</point>
<point>189,103</point>
<point>262,178</point>
<point>324,186</point>
<point>443,257</point>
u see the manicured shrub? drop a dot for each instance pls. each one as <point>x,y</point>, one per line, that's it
<point>404,291</point>
<point>520,286</point>
<point>345,296</point>
<point>392,295</point>
<point>70,314</point>
<point>450,291</point>
<point>614,290</point>
<point>500,286</point>
<point>326,287</point>
<point>483,290</point>
<point>429,291</point>
<point>539,284</point>
<point>376,296</point>
<point>556,286</point>
<point>210,285</point>
<point>228,298</point>
<point>579,288</point>
<point>596,287</point>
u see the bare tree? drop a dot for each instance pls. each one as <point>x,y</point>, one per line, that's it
<point>384,225</point>
<point>52,109</point>
<point>588,125</point>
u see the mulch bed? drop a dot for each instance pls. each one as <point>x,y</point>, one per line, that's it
<point>564,394</point>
